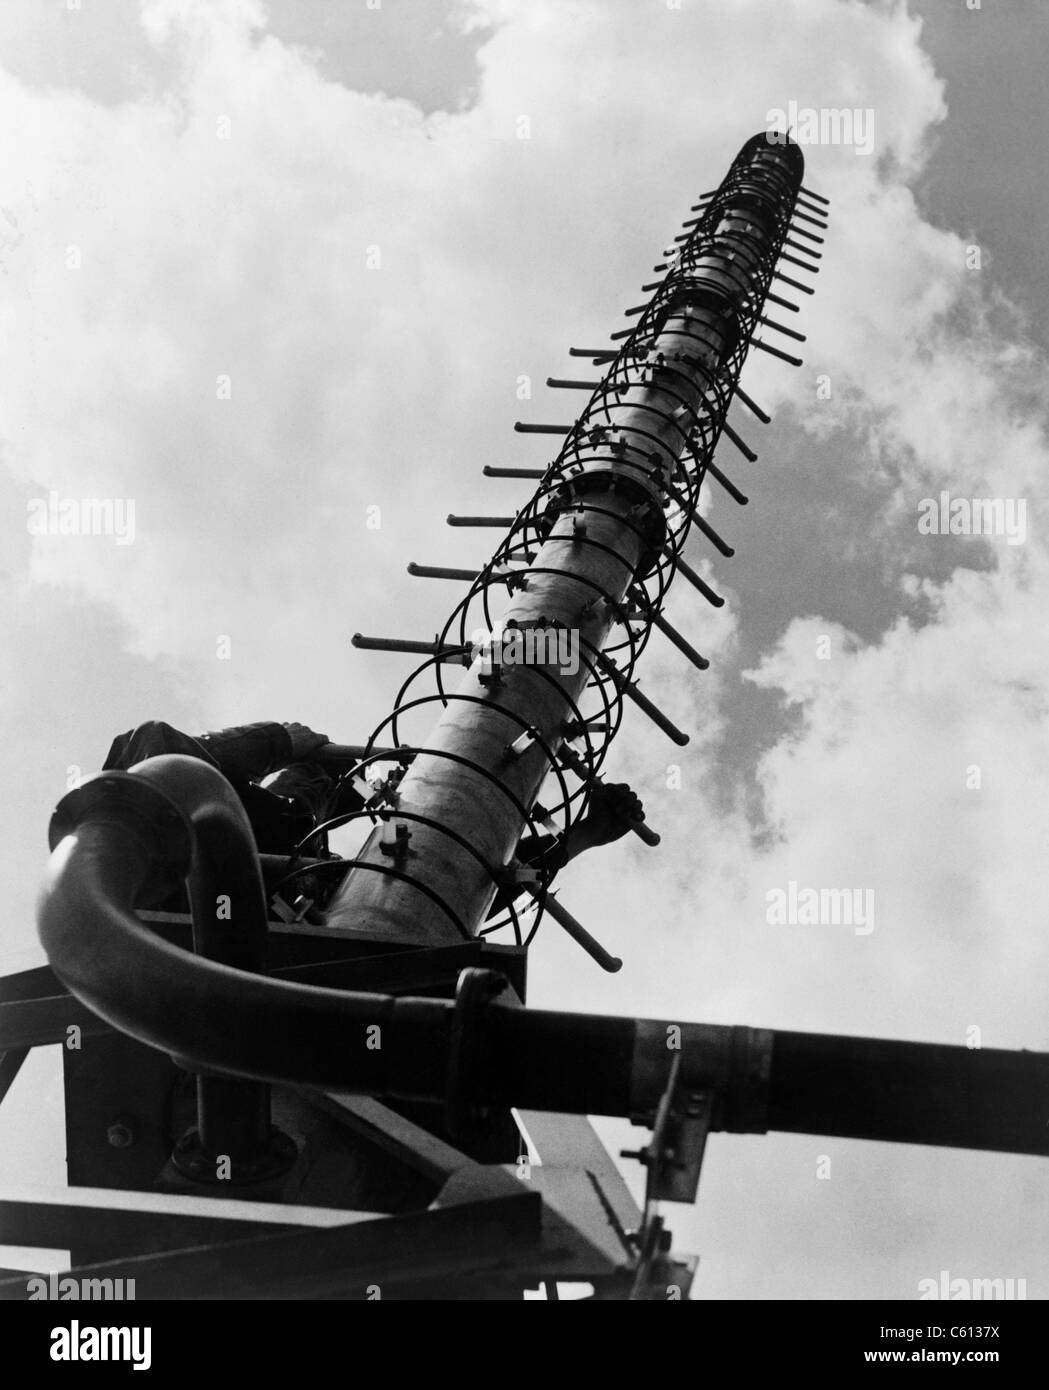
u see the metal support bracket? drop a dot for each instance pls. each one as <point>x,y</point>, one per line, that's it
<point>477,991</point>
<point>673,1157</point>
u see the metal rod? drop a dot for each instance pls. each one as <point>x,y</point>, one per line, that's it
<point>775,352</point>
<point>712,535</point>
<point>440,572</point>
<point>729,486</point>
<point>351,753</point>
<point>654,713</point>
<point>697,582</point>
<point>783,303</point>
<point>401,644</point>
<point>813,270</point>
<point>797,246</point>
<point>804,217</point>
<point>699,662</point>
<point>571,759</point>
<point>786,256</point>
<point>744,448</point>
<point>794,284</point>
<point>754,409</point>
<point>577,932</point>
<point>800,231</point>
<point>780,328</point>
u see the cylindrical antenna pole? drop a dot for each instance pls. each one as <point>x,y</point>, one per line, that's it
<point>613,508</point>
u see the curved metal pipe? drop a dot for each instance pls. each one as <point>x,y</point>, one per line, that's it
<point>224,879</point>
<point>228,906</point>
<point>120,832</point>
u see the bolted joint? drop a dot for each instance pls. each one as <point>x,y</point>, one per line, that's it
<point>638,1155</point>
<point>387,792</point>
<point>121,1133</point>
<point>516,875</point>
<point>520,745</point>
<point>733,1063</point>
<point>516,581</point>
<point>626,478</point>
<point>395,840</point>
<point>542,817</point>
<point>301,909</point>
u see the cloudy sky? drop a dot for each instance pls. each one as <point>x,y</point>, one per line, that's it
<point>267,264</point>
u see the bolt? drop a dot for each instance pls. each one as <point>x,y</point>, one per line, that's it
<point>120,1135</point>
<point>640,1154</point>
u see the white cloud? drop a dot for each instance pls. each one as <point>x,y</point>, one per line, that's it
<point>247,256</point>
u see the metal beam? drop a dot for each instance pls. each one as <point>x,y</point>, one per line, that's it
<point>571,1140</point>
<point>340,1259</point>
<point>40,1022</point>
<point>10,1065</point>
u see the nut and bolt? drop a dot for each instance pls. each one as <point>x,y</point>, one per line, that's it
<point>120,1134</point>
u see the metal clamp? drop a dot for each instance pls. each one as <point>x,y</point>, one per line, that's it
<point>732,1063</point>
<point>476,992</point>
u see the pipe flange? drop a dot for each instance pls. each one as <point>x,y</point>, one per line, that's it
<point>193,1161</point>
<point>735,1063</point>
